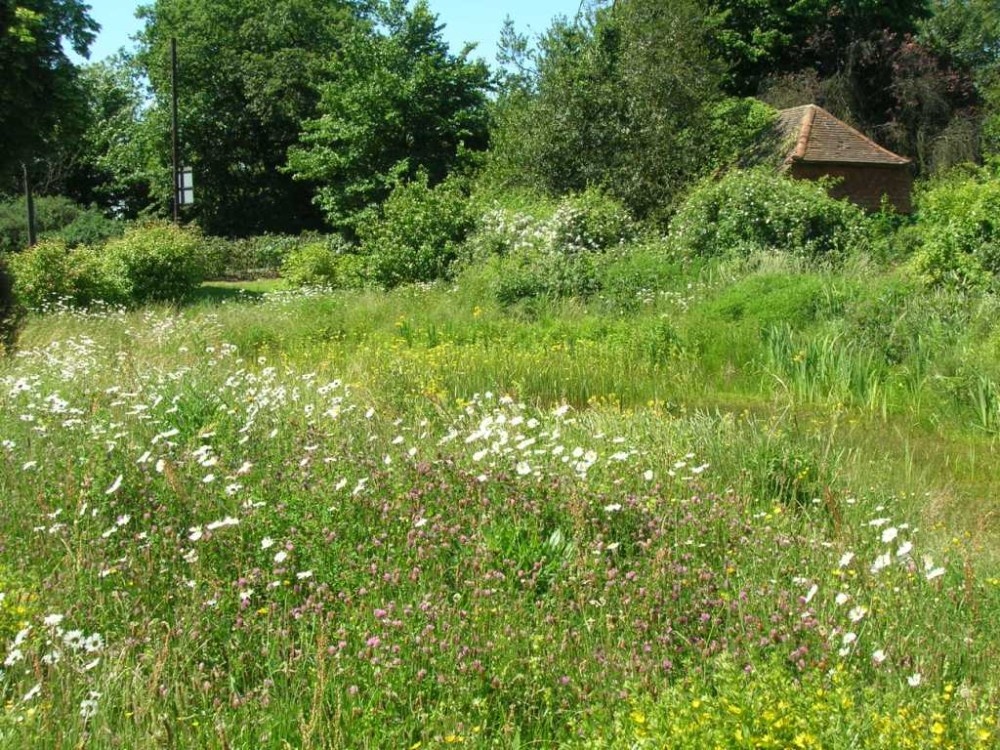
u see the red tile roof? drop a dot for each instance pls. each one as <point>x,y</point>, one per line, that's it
<point>822,138</point>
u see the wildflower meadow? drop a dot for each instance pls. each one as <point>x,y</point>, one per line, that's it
<point>307,520</point>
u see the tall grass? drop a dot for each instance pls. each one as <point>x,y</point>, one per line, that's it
<point>419,519</point>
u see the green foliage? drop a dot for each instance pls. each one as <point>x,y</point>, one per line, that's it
<point>249,72</point>
<point>52,272</point>
<point>155,262</point>
<point>641,274</point>
<point>419,233</point>
<point>524,274</point>
<point>550,252</point>
<point>969,32</point>
<point>38,88</point>
<point>959,231</point>
<point>55,217</point>
<point>590,221</point>
<point>768,706</point>
<point>324,264</point>
<point>770,299</point>
<point>395,102</point>
<point>740,132</point>
<point>259,256</point>
<point>89,228</point>
<point>621,100</point>
<point>121,163</point>
<point>42,272</point>
<point>759,211</point>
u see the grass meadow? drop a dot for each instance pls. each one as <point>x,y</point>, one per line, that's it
<point>749,508</point>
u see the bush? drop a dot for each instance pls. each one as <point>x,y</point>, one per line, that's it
<point>56,217</point>
<point>533,273</point>
<point>155,262</point>
<point>10,313</point>
<point>51,271</point>
<point>256,257</point>
<point>757,210</point>
<point>418,234</point>
<point>529,254</point>
<point>90,228</point>
<point>642,273</point>
<point>959,231</point>
<point>588,221</point>
<point>326,264</point>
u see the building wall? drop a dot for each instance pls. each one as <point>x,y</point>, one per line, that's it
<point>863,184</point>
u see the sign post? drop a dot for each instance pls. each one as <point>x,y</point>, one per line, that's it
<point>173,121</point>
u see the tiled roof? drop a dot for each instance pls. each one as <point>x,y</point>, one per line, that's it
<point>820,137</point>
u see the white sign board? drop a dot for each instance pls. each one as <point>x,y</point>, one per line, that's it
<point>185,186</point>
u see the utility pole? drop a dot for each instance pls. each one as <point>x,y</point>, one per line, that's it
<point>174,141</point>
<point>29,199</point>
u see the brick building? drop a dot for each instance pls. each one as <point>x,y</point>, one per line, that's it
<point>826,146</point>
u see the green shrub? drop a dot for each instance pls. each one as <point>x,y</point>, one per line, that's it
<point>550,251</point>
<point>155,262</point>
<point>581,222</point>
<point>418,234</point>
<point>757,210</point>
<point>56,217</point>
<point>324,263</point>
<point>524,274</point>
<point>258,257</point>
<point>42,273</point>
<point>90,228</point>
<point>51,271</point>
<point>639,274</point>
<point>10,313</point>
<point>958,220</point>
<point>590,221</point>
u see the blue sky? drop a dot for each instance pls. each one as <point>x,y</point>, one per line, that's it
<point>465,21</point>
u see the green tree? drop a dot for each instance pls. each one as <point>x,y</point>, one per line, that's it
<point>248,76</point>
<point>38,87</point>
<point>117,159</point>
<point>869,62</point>
<point>395,102</point>
<point>969,32</point>
<point>626,98</point>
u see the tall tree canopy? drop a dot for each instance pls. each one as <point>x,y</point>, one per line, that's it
<point>969,32</point>
<point>395,102</point>
<point>626,97</point>
<point>248,77</point>
<point>864,60</point>
<point>118,162</point>
<point>38,85</point>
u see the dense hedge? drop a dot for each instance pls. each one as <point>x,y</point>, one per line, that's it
<point>56,217</point>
